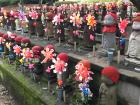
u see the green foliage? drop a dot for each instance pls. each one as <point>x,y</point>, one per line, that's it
<point>64,2</point>
<point>8,2</point>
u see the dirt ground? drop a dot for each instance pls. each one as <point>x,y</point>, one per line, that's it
<point>5,97</point>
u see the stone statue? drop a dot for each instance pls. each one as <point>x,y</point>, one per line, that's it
<point>108,88</point>
<point>134,40</point>
<point>109,30</point>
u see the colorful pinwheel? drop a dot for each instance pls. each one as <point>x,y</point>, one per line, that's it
<point>123,24</point>
<point>17,49</point>
<point>49,55</point>
<point>57,19</point>
<point>91,20</point>
<point>82,73</point>
<point>59,66</point>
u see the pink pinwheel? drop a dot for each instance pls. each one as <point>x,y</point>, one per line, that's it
<point>27,53</point>
<point>17,49</point>
<point>59,31</point>
<point>76,33</point>
<point>33,14</point>
<point>83,71</point>
<point>76,19</point>
<point>45,29</point>
<point>49,55</point>
<point>123,24</point>
<point>31,66</point>
<point>59,66</point>
<point>1,40</point>
<point>92,37</point>
<point>57,19</point>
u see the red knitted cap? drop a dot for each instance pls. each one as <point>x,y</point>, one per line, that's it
<point>36,49</point>
<point>25,40</point>
<point>112,73</point>
<point>50,47</point>
<point>113,15</point>
<point>5,36</point>
<point>1,34</point>
<point>18,39</point>
<point>63,56</point>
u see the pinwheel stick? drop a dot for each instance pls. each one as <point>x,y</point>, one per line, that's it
<point>94,52</point>
<point>64,96</point>
<point>118,56</point>
<point>75,46</point>
<point>49,85</point>
<point>59,41</point>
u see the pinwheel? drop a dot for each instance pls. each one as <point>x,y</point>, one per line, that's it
<point>17,49</point>
<point>48,52</point>
<point>85,89</point>
<point>83,71</point>
<point>76,19</point>
<point>123,24</point>
<point>27,53</point>
<point>1,40</point>
<point>57,19</point>
<point>60,63</point>
<point>91,20</point>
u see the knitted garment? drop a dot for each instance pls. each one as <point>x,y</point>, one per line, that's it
<point>110,29</point>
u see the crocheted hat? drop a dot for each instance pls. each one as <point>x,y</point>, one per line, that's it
<point>111,73</point>
<point>25,40</point>
<point>50,47</point>
<point>63,56</point>
<point>18,39</point>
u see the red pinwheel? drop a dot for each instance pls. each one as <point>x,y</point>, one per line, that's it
<point>17,49</point>
<point>123,24</point>
<point>83,71</point>
<point>48,52</point>
<point>27,53</point>
<point>60,63</point>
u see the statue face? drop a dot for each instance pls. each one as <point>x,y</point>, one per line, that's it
<point>106,80</point>
<point>136,25</point>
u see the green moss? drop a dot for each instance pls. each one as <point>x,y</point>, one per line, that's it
<point>24,90</point>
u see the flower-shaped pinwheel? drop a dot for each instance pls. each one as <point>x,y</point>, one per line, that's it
<point>33,14</point>
<point>85,89</point>
<point>123,24</point>
<point>76,19</point>
<point>8,45</point>
<point>57,19</point>
<point>49,55</point>
<point>59,66</point>
<point>27,53</point>
<point>17,49</point>
<point>1,40</point>
<point>91,20</point>
<point>83,71</point>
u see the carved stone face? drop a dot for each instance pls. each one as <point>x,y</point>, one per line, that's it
<point>109,20</point>
<point>136,25</point>
<point>106,80</point>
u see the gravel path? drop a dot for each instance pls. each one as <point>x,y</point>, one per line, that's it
<point>5,97</point>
